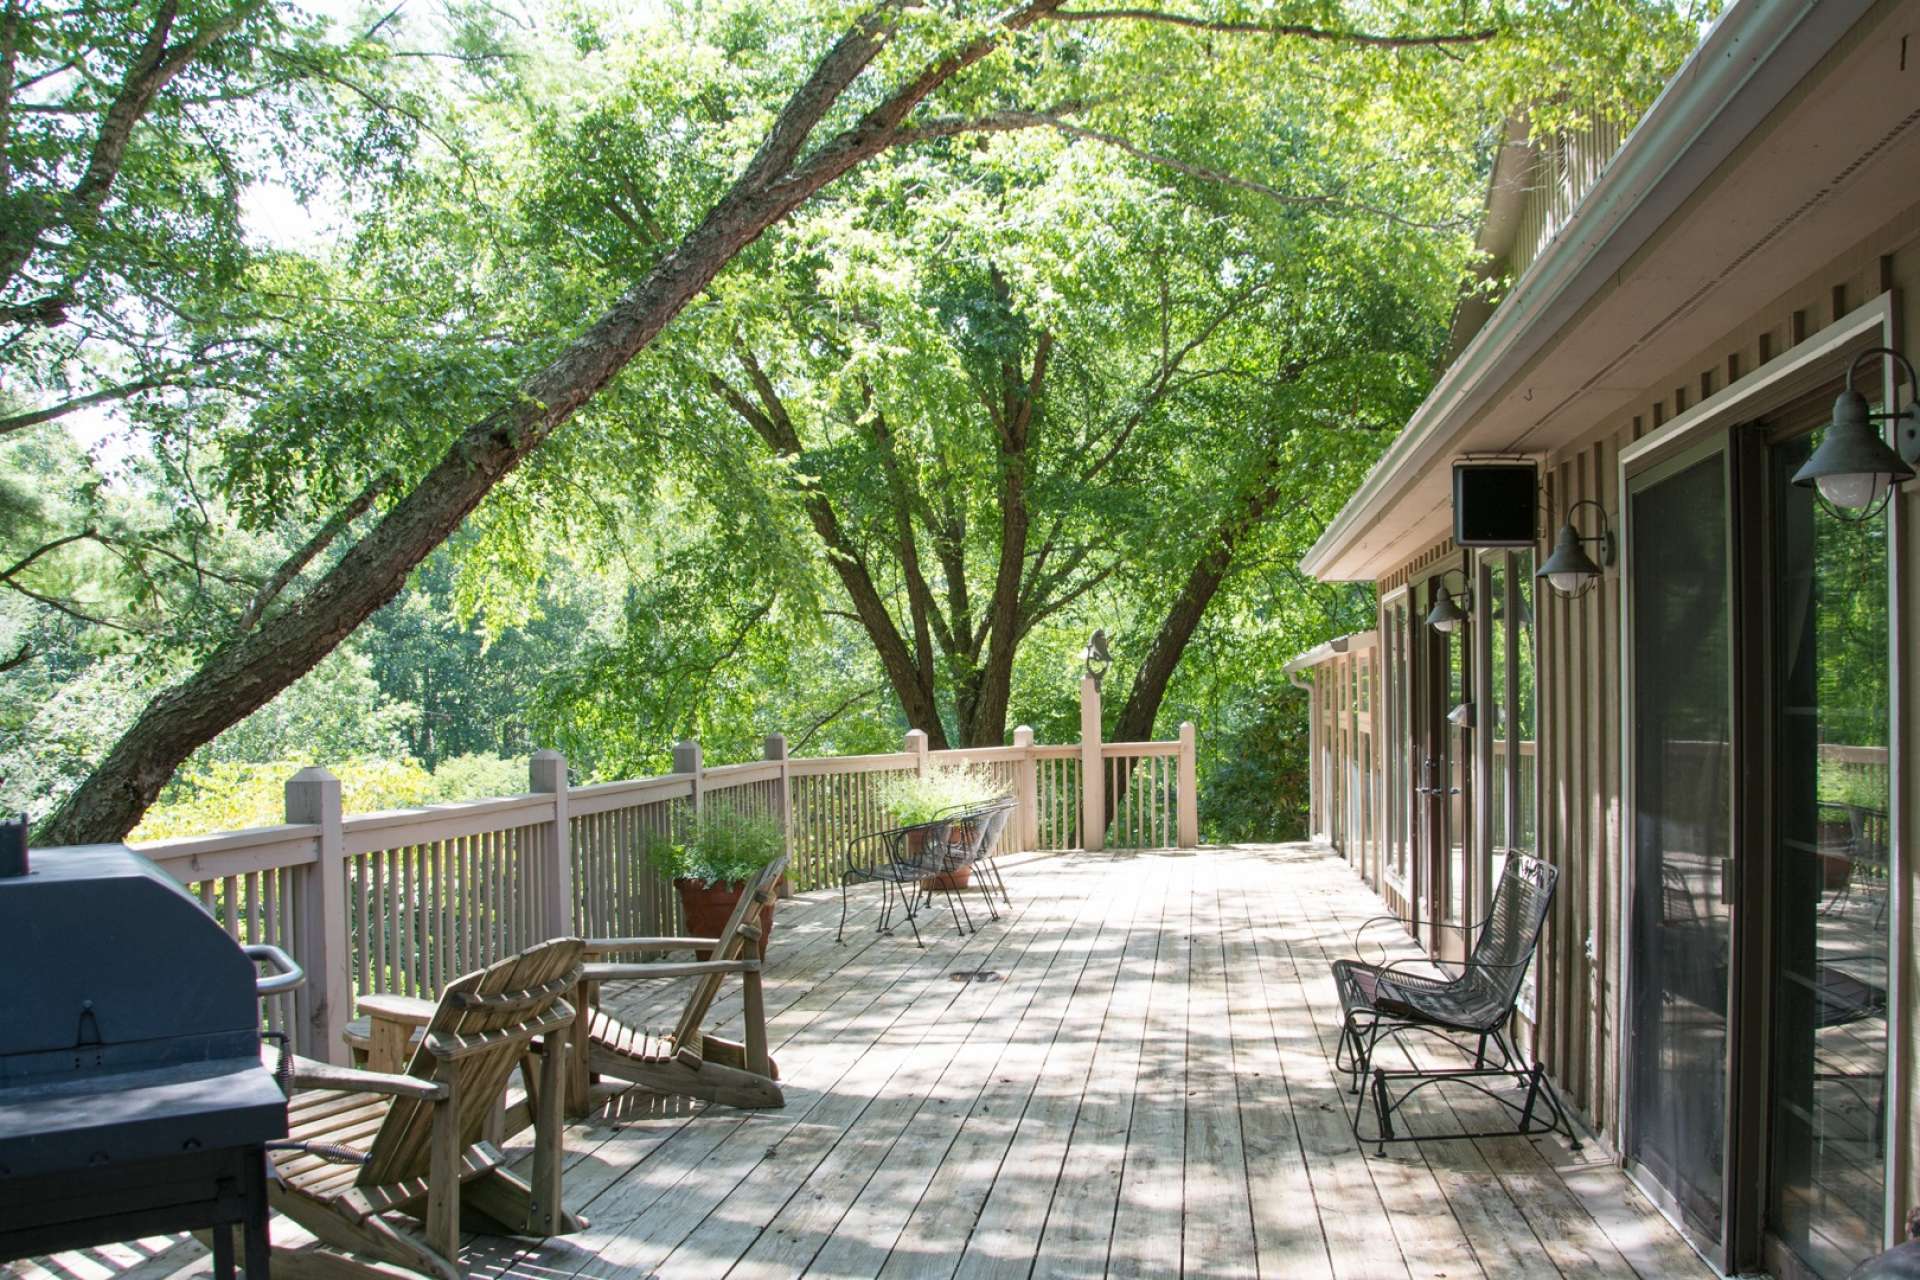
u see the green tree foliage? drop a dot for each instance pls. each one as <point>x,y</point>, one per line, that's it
<point>1092,313</point>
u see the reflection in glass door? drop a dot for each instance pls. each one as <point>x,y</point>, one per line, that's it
<point>1457,802</point>
<point>1830,782</point>
<point>1680,924</point>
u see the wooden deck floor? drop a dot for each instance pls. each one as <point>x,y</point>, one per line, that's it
<point>1128,1075</point>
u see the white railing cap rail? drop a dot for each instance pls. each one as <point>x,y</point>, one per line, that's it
<point>231,853</point>
<point>399,828</point>
<point>741,775</point>
<point>628,793</point>
<point>978,755</point>
<point>1113,750</point>
<point>853,764</point>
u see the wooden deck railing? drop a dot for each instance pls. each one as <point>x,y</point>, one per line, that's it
<point>404,901</point>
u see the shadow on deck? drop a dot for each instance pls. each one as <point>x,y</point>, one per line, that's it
<point>1129,1074</point>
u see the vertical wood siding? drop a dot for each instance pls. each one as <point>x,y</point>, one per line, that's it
<point>1578,1029</point>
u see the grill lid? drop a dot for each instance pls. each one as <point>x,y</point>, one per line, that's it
<point>112,965</point>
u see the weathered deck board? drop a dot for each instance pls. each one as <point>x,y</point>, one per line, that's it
<point>1145,1090</point>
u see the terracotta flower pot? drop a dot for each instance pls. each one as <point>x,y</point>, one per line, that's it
<point>960,877</point>
<point>708,907</point>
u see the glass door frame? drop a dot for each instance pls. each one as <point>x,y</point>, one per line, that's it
<point>1717,420</point>
<point>1698,447</point>
<point>1430,653</point>
<point>1395,870</point>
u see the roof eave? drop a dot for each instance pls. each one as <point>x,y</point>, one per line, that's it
<point>1751,59</point>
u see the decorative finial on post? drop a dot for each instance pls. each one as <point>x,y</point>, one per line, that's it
<point>1095,656</point>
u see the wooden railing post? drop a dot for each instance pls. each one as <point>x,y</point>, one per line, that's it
<point>322,941</point>
<point>1093,781</point>
<point>1026,788</point>
<point>690,760</point>
<point>917,747</point>
<point>1189,789</point>
<point>547,773</point>
<point>776,749</point>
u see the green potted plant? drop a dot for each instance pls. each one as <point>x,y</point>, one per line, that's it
<point>941,792</point>
<point>711,867</point>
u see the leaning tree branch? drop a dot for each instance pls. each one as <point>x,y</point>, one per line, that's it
<point>291,567</point>
<point>21,565</point>
<point>153,68</point>
<point>119,391</point>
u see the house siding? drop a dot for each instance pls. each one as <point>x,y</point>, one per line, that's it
<point>1579,674</point>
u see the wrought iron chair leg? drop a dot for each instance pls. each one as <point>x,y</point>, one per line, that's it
<point>1562,1120</point>
<point>959,910</point>
<point>914,924</point>
<point>886,908</point>
<point>842,935</point>
<point>1000,881</point>
<point>1382,1111</point>
<point>986,892</point>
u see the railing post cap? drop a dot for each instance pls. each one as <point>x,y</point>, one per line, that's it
<point>1023,736</point>
<point>916,739</point>
<point>547,753</point>
<point>314,773</point>
<point>776,746</point>
<point>1186,728</point>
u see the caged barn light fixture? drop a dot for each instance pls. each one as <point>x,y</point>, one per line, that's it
<point>1570,570</point>
<point>1854,472</point>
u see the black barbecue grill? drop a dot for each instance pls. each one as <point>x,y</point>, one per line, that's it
<point>133,1100</point>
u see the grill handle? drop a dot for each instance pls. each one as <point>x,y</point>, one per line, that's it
<point>290,976</point>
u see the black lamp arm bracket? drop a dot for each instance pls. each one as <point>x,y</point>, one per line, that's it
<point>1906,367</point>
<point>1466,585</point>
<point>1604,537</point>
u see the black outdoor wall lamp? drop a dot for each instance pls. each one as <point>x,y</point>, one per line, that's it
<point>1447,614</point>
<point>1570,570</point>
<point>1854,472</point>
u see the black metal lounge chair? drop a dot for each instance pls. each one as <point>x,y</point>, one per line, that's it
<point>1382,1002</point>
<point>897,859</point>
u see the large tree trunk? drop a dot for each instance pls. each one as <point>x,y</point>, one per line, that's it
<point>247,673</point>
<point>1005,625</point>
<point>1182,619</point>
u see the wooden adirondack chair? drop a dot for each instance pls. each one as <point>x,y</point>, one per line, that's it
<point>423,1131</point>
<point>686,1061</point>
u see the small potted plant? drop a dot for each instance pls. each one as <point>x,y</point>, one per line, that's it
<point>710,869</point>
<point>942,792</point>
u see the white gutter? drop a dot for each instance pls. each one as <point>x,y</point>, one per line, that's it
<point>1748,63</point>
<point>1321,652</point>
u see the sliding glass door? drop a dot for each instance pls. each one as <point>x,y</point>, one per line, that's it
<point>1680,925</point>
<point>1828,958</point>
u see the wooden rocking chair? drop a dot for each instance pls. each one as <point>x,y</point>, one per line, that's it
<point>685,1062</point>
<point>424,1132</point>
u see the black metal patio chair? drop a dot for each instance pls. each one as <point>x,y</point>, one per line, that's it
<point>1382,1002</point>
<point>897,859</point>
<point>973,837</point>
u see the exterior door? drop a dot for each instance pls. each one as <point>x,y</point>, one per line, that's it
<point>1829,789</point>
<point>1444,796</point>
<point>1680,922</point>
